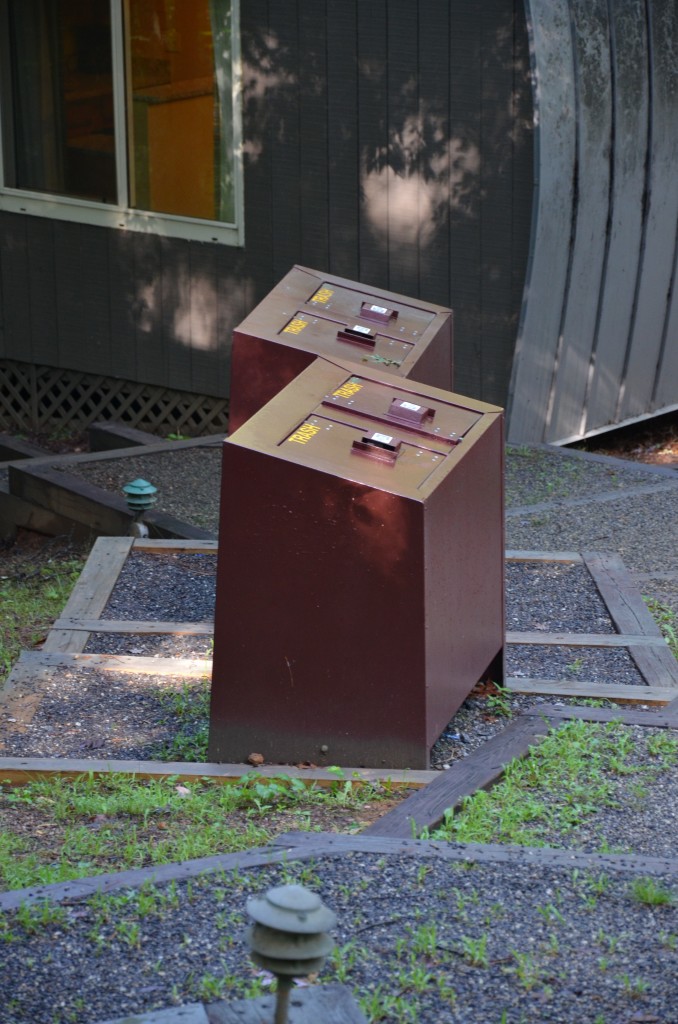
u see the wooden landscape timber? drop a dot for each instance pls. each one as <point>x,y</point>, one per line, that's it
<point>582,689</point>
<point>312,845</point>
<point>108,435</point>
<point>18,771</point>
<point>43,495</point>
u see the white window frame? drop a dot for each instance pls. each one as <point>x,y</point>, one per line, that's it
<point>57,207</point>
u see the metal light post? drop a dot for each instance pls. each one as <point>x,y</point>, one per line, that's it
<point>289,937</point>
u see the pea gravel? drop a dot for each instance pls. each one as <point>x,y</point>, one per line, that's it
<point>90,714</point>
<point>187,480</point>
<point>514,943</point>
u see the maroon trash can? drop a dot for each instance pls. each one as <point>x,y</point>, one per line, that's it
<point>360,570</point>
<point>310,314</point>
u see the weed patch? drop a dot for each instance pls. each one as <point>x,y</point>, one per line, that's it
<point>562,783</point>
<point>59,829</point>
<point>667,620</point>
<point>32,593</point>
<point>189,711</point>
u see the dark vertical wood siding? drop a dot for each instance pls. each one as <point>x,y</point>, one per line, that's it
<point>500,94</point>
<point>433,38</point>
<point>42,287</point>
<point>373,141</point>
<point>465,89</point>
<point>381,141</point>
<point>343,163</point>
<point>16,289</point>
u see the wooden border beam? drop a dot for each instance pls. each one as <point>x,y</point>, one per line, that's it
<point>483,767</point>
<point>588,690</point>
<point>37,663</point>
<point>630,614</point>
<point>586,639</point>
<point>124,626</point>
<point>92,591</point>
<point>18,771</point>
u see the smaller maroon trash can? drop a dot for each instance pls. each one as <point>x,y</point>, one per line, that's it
<point>310,314</point>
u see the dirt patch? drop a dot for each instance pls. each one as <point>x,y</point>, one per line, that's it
<point>653,441</point>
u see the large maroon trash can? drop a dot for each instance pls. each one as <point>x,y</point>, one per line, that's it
<point>360,570</point>
<point>310,314</point>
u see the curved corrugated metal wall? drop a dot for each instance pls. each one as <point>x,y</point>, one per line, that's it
<point>598,337</point>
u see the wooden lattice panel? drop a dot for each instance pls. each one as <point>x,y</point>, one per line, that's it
<point>42,397</point>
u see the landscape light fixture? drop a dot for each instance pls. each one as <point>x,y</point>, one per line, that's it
<point>289,937</point>
<point>140,496</point>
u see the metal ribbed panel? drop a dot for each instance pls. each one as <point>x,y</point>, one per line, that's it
<point>599,332</point>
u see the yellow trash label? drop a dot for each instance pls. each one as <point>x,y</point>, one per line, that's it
<point>323,295</point>
<point>304,433</point>
<point>351,387</point>
<point>295,326</point>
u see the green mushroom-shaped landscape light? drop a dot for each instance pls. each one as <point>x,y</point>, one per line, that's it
<point>140,495</point>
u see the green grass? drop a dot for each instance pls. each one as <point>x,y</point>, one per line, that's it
<point>561,784</point>
<point>189,711</point>
<point>649,892</point>
<point>667,620</point>
<point>89,825</point>
<point>32,595</point>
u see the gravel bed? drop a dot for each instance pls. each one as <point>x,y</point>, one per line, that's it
<point>555,597</point>
<point>90,714</point>
<point>187,480</point>
<point>161,646</point>
<point>574,664</point>
<point>533,475</point>
<point>642,817</point>
<point>561,945</point>
<point>181,587</point>
<point>550,944</point>
<point>642,529</point>
<point>164,587</point>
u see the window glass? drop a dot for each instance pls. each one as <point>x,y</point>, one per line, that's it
<point>61,119</point>
<point>120,102</point>
<point>175,115</point>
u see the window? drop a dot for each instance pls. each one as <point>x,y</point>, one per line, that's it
<point>122,113</point>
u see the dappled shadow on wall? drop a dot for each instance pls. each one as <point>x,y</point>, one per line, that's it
<point>179,302</point>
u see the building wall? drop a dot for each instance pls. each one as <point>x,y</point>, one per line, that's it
<point>385,140</point>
